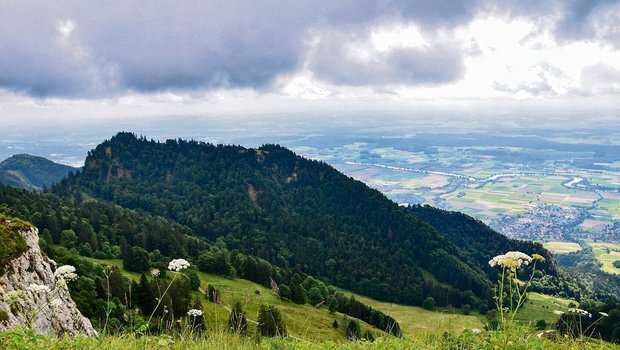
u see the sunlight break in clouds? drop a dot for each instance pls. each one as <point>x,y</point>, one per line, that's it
<point>138,58</point>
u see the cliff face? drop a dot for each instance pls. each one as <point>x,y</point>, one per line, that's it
<point>30,295</point>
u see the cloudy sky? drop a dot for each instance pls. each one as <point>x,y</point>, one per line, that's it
<point>115,59</point>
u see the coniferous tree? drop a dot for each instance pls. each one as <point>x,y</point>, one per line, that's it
<point>353,330</point>
<point>270,322</point>
<point>237,322</point>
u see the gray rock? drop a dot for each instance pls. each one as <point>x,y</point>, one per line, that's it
<point>46,315</point>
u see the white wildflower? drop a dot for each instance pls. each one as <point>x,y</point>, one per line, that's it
<point>558,312</point>
<point>155,272</point>
<point>178,265</point>
<point>56,303</point>
<point>66,273</point>
<point>511,260</point>
<point>38,288</point>
<point>604,314</point>
<point>476,330</point>
<point>194,313</point>
<point>579,312</point>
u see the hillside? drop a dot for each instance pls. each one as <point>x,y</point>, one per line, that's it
<point>31,172</point>
<point>295,213</point>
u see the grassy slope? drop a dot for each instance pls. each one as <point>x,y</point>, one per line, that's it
<point>307,322</point>
<point>302,321</point>
<point>541,306</point>
<point>604,252</point>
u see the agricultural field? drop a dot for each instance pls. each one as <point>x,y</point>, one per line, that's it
<point>562,247</point>
<point>606,253</point>
<point>524,191</point>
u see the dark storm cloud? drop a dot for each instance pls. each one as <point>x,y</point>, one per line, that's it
<point>90,49</point>
<point>119,46</point>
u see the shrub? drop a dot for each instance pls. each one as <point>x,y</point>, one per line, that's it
<point>237,322</point>
<point>429,303</point>
<point>13,244</point>
<point>213,295</point>
<point>541,324</point>
<point>466,309</point>
<point>353,330</point>
<point>270,322</point>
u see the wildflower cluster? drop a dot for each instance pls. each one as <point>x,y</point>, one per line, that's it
<point>579,312</point>
<point>65,273</point>
<point>38,288</point>
<point>194,313</point>
<point>155,272</point>
<point>511,260</point>
<point>178,265</point>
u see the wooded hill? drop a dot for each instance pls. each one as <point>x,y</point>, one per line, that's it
<point>298,214</point>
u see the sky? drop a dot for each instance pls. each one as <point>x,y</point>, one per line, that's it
<point>86,60</point>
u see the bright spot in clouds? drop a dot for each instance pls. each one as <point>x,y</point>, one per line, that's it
<point>84,58</point>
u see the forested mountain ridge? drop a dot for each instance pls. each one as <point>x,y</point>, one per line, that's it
<point>31,172</point>
<point>293,212</point>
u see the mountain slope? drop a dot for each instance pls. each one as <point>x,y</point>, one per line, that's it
<point>477,240</point>
<point>293,212</point>
<point>31,172</point>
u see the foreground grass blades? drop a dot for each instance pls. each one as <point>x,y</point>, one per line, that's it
<point>21,339</point>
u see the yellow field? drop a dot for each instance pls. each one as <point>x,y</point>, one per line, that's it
<point>562,247</point>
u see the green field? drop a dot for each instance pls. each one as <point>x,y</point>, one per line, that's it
<point>606,253</point>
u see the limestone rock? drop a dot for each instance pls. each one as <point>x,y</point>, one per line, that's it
<point>50,312</point>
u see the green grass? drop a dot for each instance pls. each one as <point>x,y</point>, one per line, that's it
<point>309,323</point>
<point>19,339</point>
<point>606,253</point>
<point>540,306</point>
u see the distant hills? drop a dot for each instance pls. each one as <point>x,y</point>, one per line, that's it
<point>31,172</point>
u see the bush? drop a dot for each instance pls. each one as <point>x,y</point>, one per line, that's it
<point>353,330</point>
<point>5,317</point>
<point>270,322</point>
<point>13,244</point>
<point>335,324</point>
<point>429,303</point>
<point>284,292</point>
<point>213,295</point>
<point>541,324</point>
<point>237,322</point>
<point>466,309</point>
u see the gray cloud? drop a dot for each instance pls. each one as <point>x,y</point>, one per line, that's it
<point>118,46</point>
<point>333,61</point>
<point>601,78</point>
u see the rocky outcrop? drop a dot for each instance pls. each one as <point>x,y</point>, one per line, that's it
<point>31,296</point>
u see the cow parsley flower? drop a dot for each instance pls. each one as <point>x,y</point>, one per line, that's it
<point>511,260</point>
<point>579,312</point>
<point>194,313</point>
<point>66,273</point>
<point>178,265</point>
<point>155,272</point>
<point>604,314</point>
<point>476,330</point>
<point>38,288</point>
<point>558,312</point>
